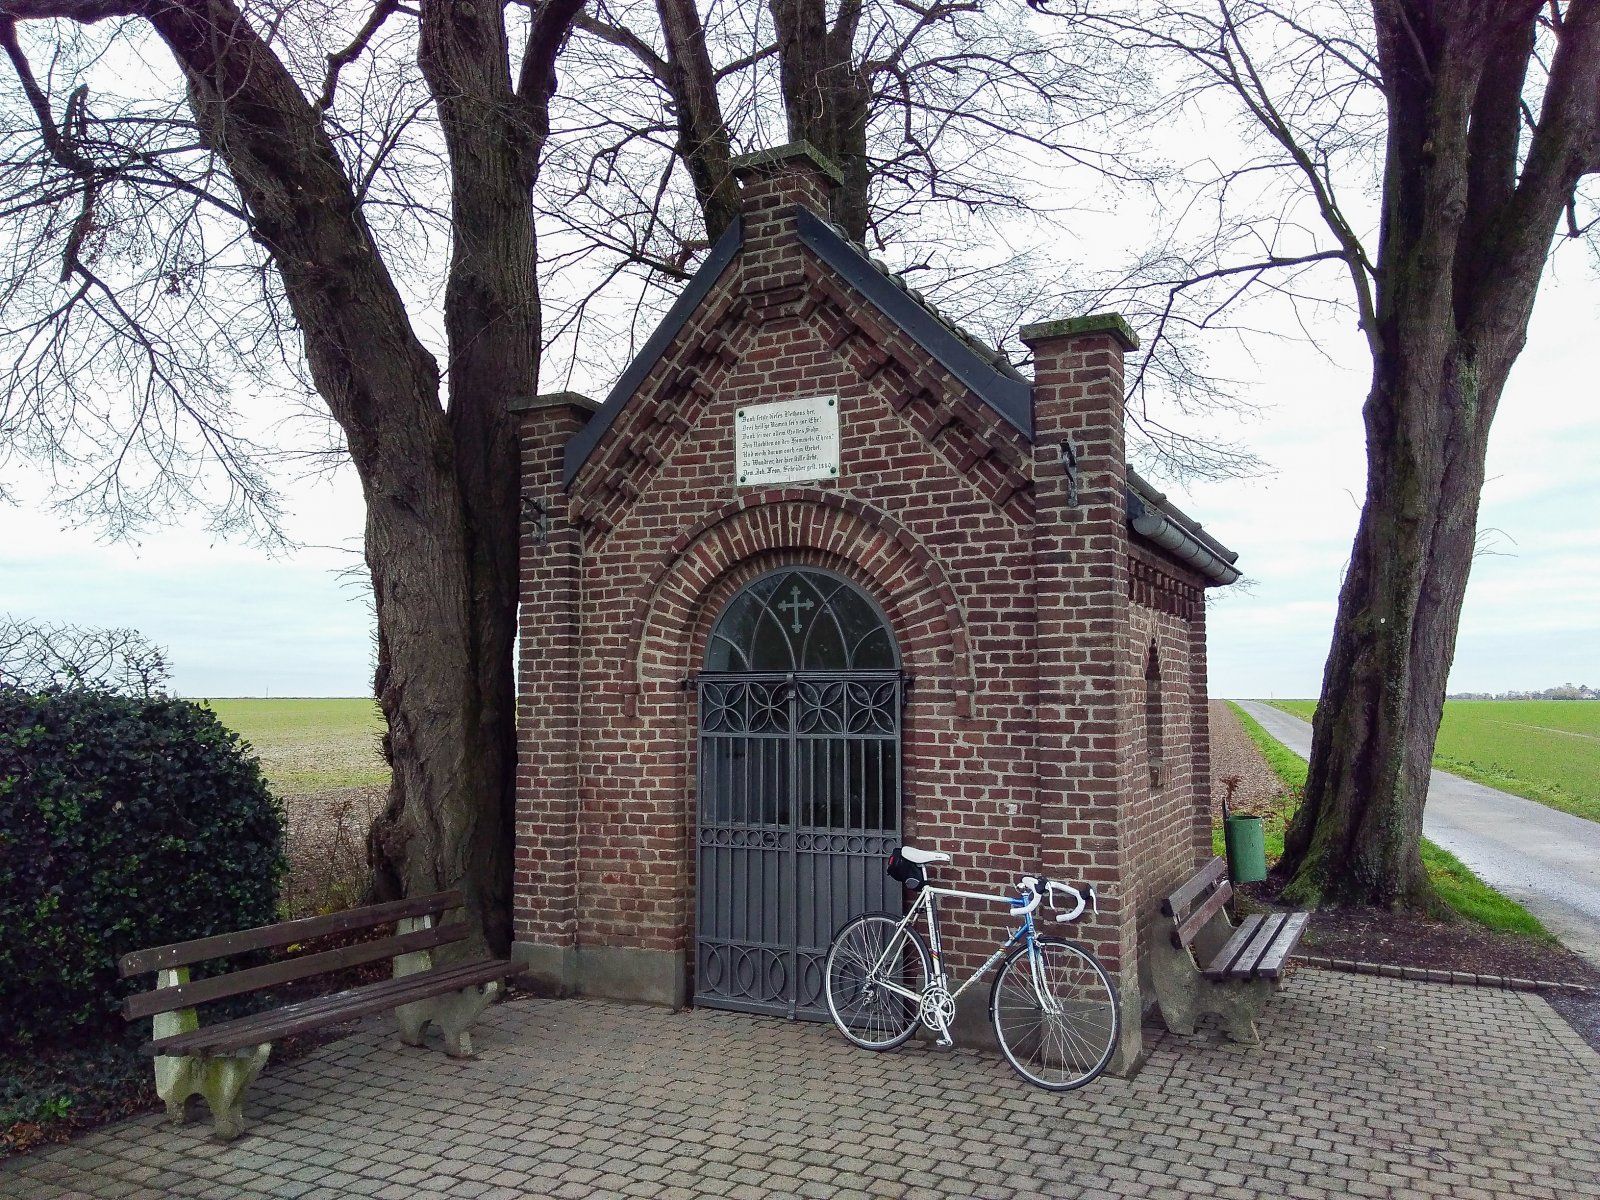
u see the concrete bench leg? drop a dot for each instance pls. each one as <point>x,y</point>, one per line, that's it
<point>453,1012</point>
<point>1184,995</point>
<point>220,1080</point>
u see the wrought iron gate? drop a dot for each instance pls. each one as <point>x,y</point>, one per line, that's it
<point>799,790</point>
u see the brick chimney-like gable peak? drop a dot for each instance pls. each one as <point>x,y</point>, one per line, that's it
<point>772,182</point>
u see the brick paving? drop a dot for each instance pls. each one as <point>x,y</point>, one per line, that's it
<point>1365,1087</point>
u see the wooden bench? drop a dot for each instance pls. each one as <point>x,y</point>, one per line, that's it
<point>1200,963</point>
<point>219,1060</point>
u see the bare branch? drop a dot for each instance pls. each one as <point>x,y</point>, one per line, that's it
<point>84,12</point>
<point>381,12</point>
<point>618,35</point>
<point>35,655</point>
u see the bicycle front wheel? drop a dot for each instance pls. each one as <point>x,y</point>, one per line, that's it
<point>871,966</point>
<point>1055,1014</point>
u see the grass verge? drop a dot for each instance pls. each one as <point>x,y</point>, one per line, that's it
<point>1547,751</point>
<point>1457,887</point>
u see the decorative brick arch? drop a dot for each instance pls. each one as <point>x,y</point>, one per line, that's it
<point>707,563</point>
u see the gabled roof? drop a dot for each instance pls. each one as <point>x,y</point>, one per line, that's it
<point>986,371</point>
<point>582,445</point>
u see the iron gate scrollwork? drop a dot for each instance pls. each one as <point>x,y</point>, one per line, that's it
<point>799,787</point>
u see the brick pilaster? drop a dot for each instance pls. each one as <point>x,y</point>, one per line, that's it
<point>547,809</point>
<point>772,183</point>
<point>1086,711</point>
<point>1200,730</point>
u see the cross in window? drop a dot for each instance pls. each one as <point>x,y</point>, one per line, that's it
<point>798,605</point>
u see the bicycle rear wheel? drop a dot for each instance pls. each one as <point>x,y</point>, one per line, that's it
<point>866,1012</point>
<point>1056,1017</point>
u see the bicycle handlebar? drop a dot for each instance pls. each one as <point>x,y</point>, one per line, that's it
<point>1034,889</point>
<point>1032,896</point>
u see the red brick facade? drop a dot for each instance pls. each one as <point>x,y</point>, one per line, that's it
<point>1025,616</point>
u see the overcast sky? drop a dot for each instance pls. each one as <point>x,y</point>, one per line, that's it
<point>238,622</point>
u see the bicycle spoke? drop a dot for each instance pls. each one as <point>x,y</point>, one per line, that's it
<point>868,966</point>
<point>1055,1015</point>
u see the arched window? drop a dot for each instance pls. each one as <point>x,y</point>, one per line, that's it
<point>1152,716</point>
<point>800,619</point>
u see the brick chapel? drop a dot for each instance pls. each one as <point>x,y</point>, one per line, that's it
<point>825,573</point>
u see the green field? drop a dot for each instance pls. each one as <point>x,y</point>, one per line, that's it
<point>1546,750</point>
<point>1457,887</point>
<point>309,746</point>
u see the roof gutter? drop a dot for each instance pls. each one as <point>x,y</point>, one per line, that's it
<point>1164,531</point>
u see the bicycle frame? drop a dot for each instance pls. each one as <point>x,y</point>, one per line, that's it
<point>926,902</point>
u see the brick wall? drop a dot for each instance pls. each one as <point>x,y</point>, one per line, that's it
<point>1013,604</point>
<point>1169,812</point>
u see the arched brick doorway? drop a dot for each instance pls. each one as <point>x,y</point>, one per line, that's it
<point>799,789</point>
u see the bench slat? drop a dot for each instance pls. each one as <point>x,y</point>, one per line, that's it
<point>1271,964</point>
<point>1236,945</point>
<point>265,937</point>
<point>1184,932</point>
<point>311,1014</point>
<point>254,979</point>
<point>1245,967</point>
<point>1178,903</point>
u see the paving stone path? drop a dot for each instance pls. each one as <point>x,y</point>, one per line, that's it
<point>1365,1087</point>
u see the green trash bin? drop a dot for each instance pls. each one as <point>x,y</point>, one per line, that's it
<point>1246,843</point>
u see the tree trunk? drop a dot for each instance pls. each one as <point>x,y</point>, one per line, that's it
<point>452,714</point>
<point>827,97</point>
<point>703,142</point>
<point>441,487</point>
<point>1468,222</point>
<point>1355,838</point>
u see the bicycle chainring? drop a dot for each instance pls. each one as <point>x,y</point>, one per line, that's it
<point>938,1009</point>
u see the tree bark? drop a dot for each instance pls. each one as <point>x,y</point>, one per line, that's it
<point>827,96</point>
<point>441,484</point>
<point>1462,250</point>
<point>703,142</point>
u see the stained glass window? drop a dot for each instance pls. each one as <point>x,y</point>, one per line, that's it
<point>799,619</point>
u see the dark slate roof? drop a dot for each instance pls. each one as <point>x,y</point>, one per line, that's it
<point>582,445</point>
<point>985,370</point>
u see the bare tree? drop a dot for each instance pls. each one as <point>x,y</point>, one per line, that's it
<point>1431,152</point>
<point>967,133</point>
<point>35,655</point>
<point>239,194</point>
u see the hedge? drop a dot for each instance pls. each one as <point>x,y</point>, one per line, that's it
<point>124,823</point>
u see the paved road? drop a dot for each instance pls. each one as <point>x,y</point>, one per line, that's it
<point>1546,860</point>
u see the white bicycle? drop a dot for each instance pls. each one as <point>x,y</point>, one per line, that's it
<point>1053,1007</point>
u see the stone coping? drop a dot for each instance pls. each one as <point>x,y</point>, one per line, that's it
<point>1509,983</point>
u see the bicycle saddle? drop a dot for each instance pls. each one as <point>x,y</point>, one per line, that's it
<point>912,854</point>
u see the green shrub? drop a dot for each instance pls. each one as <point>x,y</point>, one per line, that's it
<point>125,823</point>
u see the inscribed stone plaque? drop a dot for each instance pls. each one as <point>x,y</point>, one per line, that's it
<point>787,441</point>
